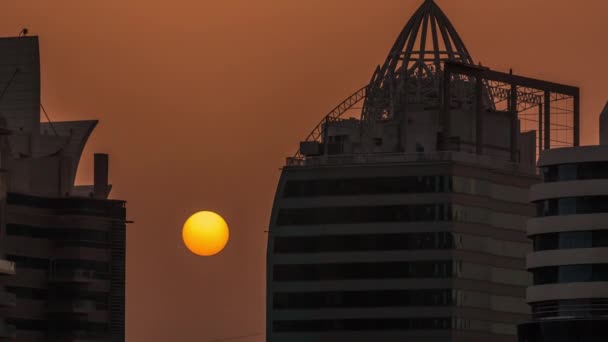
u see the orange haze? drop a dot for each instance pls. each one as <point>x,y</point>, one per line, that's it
<point>201,100</point>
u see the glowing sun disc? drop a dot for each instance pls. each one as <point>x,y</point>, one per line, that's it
<point>205,233</point>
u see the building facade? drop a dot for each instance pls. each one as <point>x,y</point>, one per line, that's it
<point>431,250</point>
<point>62,245</point>
<point>569,297</point>
<point>409,222</point>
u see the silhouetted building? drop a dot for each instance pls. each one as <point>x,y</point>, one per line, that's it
<point>409,222</point>
<point>569,297</point>
<point>66,241</point>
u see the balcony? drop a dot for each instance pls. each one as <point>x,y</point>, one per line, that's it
<point>73,276</point>
<point>7,267</point>
<point>78,307</point>
<point>7,299</point>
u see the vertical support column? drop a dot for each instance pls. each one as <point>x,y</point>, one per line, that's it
<point>547,120</point>
<point>479,114</point>
<point>576,120</point>
<point>540,128</point>
<point>446,106</point>
<point>514,123</point>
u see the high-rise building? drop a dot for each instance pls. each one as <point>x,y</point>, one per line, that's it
<point>408,223</point>
<point>62,245</point>
<point>569,296</point>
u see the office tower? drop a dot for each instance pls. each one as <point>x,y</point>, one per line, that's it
<point>569,297</point>
<point>407,222</point>
<point>65,241</point>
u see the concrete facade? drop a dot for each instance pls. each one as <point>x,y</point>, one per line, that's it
<point>458,236</point>
<point>62,245</point>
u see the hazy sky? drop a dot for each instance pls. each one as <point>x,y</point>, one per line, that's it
<point>200,101</point>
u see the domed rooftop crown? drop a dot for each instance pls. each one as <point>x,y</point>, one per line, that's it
<point>428,38</point>
<point>412,67</point>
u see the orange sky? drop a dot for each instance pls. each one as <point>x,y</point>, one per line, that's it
<point>201,100</point>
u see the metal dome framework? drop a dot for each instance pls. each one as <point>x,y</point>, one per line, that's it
<point>413,73</point>
<point>427,40</point>
<point>412,67</point>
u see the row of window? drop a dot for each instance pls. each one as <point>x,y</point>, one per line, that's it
<point>364,242</point>
<point>65,236</point>
<point>570,274</point>
<point>71,206</point>
<point>568,240</point>
<point>399,241</point>
<point>579,171</point>
<point>397,298</point>
<point>59,265</point>
<point>362,299</point>
<point>56,325</point>
<point>400,270</point>
<point>60,293</point>
<point>80,264</point>
<point>572,205</point>
<point>384,270</point>
<point>400,213</point>
<point>363,214</point>
<point>402,185</point>
<point>29,262</point>
<point>384,324</point>
<point>392,324</point>
<point>579,308</point>
<point>366,186</point>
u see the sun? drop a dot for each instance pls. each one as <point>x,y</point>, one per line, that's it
<point>205,233</point>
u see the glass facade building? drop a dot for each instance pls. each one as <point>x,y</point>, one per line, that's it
<point>569,265</point>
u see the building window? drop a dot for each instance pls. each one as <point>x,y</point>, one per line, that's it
<point>345,215</point>
<point>28,292</point>
<point>572,205</point>
<point>580,171</point>
<point>570,274</point>
<point>579,308</point>
<point>385,324</point>
<point>402,185</point>
<point>569,240</point>
<point>364,242</point>
<point>362,299</point>
<point>383,270</point>
<point>365,186</point>
<point>29,262</point>
<point>28,324</point>
<point>66,237</point>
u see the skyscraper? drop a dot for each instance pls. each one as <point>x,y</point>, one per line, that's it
<point>569,296</point>
<point>62,245</point>
<point>408,222</point>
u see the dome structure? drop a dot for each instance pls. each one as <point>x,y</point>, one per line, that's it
<point>411,69</point>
